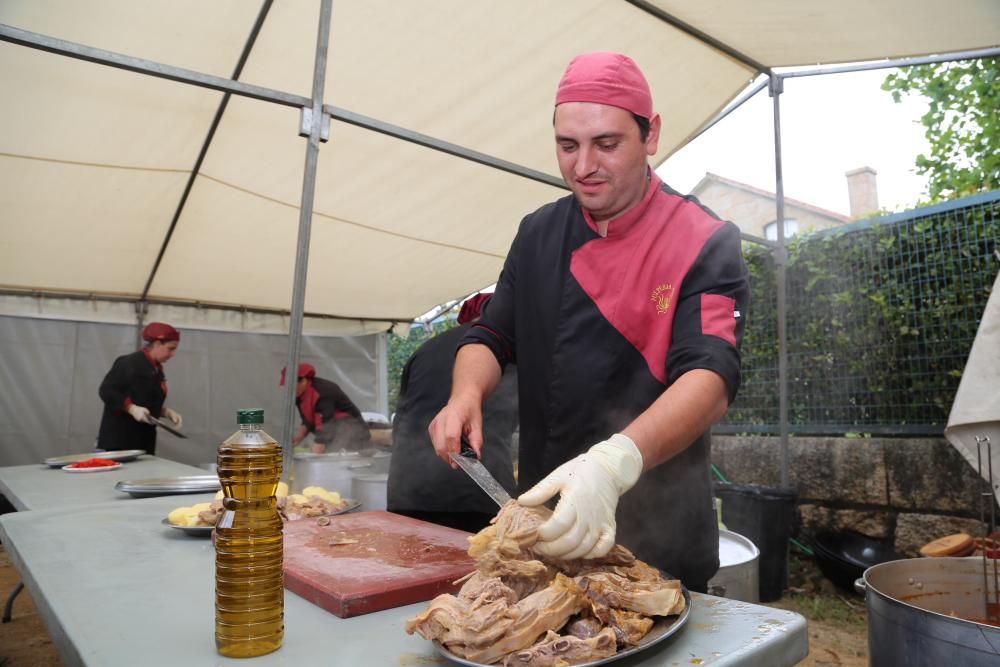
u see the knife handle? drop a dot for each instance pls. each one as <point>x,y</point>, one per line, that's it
<point>467,449</point>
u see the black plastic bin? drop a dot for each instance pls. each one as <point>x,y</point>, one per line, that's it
<point>765,516</point>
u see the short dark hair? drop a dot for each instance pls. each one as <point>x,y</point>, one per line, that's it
<point>643,126</point>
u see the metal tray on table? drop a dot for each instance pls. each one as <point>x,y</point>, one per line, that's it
<point>169,486</point>
<point>119,455</point>
<point>663,627</point>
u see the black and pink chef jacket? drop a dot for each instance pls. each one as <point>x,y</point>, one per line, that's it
<point>599,328</point>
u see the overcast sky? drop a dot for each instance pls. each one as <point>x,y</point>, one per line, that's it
<point>830,124</point>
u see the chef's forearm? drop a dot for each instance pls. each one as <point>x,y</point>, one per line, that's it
<point>683,412</point>
<point>476,373</point>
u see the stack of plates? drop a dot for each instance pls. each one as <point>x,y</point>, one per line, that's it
<point>168,486</point>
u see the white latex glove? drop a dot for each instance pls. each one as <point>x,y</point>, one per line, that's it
<point>139,413</point>
<point>173,416</point>
<point>583,524</point>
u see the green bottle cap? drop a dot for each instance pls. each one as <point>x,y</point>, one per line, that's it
<point>251,416</point>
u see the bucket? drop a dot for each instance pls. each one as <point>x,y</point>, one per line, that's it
<point>765,516</point>
<point>738,576</point>
<point>370,490</point>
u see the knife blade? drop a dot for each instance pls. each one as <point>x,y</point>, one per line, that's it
<point>475,469</point>
<point>162,424</point>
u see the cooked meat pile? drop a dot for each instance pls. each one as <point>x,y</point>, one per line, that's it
<point>528,611</point>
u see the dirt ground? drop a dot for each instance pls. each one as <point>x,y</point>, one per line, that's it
<point>837,619</point>
<point>837,622</point>
<point>24,642</point>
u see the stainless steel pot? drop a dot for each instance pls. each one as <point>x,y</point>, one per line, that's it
<point>738,577</point>
<point>370,490</point>
<point>917,611</point>
<point>333,472</point>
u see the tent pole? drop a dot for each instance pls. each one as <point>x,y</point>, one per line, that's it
<point>775,89</point>
<point>141,308</point>
<point>897,62</point>
<point>314,117</point>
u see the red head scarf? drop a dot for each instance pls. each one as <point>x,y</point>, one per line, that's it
<point>606,78</point>
<point>161,332</point>
<point>305,371</point>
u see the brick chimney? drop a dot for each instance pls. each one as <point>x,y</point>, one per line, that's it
<point>862,191</point>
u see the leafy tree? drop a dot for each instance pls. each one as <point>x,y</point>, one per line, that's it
<point>963,126</point>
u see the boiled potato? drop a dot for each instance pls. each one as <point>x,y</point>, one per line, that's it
<point>179,516</point>
<point>200,507</point>
<point>329,496</point>
<point>297,498</point>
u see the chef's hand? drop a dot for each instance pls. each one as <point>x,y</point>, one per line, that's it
<point>139,413</point>
<point>583,524</point>
<point>461,416</point>
<point>173,416</point>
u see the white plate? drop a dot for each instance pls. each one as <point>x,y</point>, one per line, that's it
<point>100,469</point>
<point>120,455</point>
<point>663,627</point>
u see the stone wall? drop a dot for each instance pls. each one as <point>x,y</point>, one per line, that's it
<point>909,490</point>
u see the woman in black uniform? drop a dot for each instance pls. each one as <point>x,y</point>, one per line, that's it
<point>135,389</point>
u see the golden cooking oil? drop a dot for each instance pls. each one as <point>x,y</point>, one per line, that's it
<point>249,590</point>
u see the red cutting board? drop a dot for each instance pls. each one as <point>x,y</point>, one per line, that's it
<point>396,561</point>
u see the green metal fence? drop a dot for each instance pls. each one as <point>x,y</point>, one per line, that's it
<point>881,315</point>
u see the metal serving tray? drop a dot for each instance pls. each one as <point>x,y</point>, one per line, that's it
<point>115,455</point>
<point>168,486</point>
<point>663,627</point>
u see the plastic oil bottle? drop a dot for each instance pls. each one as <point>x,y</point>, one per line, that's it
<point>249,591</point>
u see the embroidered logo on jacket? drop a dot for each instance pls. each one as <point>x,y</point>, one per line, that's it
<point>662,296</point>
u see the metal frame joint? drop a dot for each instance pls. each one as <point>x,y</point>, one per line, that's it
<point>306,124</point>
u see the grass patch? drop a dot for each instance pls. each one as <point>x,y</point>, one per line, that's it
<point>815,597</point>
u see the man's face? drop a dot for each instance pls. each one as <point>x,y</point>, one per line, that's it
<point>601,156</point>
<point>301,386</point>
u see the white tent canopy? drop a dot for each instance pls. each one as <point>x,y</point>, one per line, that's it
<point>94,160</point>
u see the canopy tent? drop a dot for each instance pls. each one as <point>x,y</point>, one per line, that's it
<point>126,188</point>
<point>94,161</point>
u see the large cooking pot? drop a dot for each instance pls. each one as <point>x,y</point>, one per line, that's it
<point>738,577</point>
<point>922,611</point>
<point>335,471</point>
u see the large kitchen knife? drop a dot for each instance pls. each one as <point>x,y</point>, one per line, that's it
<point>475,469</point>
<point>166,427</point>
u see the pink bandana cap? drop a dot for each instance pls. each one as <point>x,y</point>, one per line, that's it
<point>606,78</point>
